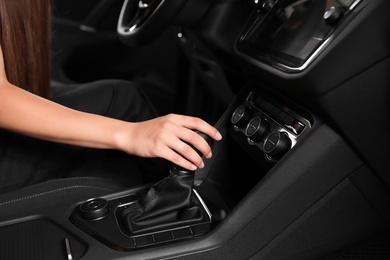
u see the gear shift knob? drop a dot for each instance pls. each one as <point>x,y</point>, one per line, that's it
<point>208,139</point>
<point>175,169</point>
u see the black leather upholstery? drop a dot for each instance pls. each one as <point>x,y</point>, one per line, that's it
<point>167,204</point>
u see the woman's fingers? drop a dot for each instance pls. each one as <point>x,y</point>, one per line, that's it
<point>197,143</point>
<point>190,152</point>
<point>189,124</point>
<point>195,123</point>
<point>173,138</point>
<point>171,155</point>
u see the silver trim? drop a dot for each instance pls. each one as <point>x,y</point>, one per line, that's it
<point>308,61</point>
<point>203,204</point>
<point>68,250</point>
<point>354,5</point>
<point>142,5</point>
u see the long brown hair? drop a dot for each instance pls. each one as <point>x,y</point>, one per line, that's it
<point>25,38</point>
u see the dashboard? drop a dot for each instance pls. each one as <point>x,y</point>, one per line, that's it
<point>328,56</point>
<point>299,90</point>
<point>289,35</point>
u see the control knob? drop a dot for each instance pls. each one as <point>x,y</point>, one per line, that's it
<point>94,209</point>
<point>256,128</point>
<point>240,116</point>
<point>332,15</point>
<point>277,144</point>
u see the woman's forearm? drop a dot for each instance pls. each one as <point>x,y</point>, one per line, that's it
<point>26,113</point>
<point>169,137</point>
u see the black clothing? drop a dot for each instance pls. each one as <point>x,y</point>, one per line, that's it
<point>25,161</point>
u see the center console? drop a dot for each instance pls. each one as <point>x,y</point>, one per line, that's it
<point>102,218</point>
<point>278,178</point>
<point>127,222</point>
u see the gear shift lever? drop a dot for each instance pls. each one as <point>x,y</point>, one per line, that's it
<point>167,204</point>
<point>180,170</point>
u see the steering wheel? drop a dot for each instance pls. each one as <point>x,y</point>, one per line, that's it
<point>141,21</point>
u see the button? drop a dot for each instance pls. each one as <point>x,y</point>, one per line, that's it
<point>144,241</point>
<point>182,233</point>
<point>277,144</point>
<point>94,209</point>
<point>240,116</point>
<point>256,128</point>
<point>332,15</point>
<point>163,237</point>
<point>297,127</point>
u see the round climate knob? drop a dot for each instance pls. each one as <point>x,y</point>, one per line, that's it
<point>277,144</point>
<point>240,116</point>
<point>256,128</point>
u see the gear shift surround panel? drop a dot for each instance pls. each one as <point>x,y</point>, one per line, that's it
<point>167,211</point>
<point>110,230</point>
<point>166,204</point>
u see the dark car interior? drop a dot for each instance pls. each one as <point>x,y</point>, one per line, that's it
<point>300,91</point>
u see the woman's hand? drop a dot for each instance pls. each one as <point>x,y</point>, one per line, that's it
<point>169,137</point>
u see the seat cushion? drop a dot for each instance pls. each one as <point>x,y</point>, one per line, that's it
<point>37,198</point>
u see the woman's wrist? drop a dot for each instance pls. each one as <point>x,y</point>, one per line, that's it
<point>122,136</point>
